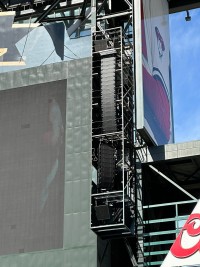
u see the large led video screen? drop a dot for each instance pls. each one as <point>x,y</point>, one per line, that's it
<point>157,123</point>
<point>32,159</point>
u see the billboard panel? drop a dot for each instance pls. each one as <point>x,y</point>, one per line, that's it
<point>33,103</point>
<point>32,158</point>
<point>154,118</point>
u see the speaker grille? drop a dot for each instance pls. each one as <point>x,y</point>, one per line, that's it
<point>106,167</point>
<point>108,97</point>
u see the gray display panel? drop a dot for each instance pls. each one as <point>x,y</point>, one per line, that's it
<point>32,159</point>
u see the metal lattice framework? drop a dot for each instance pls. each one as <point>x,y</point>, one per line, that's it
<point>117,211</point>
<point>47,10</point>
<point>41,9</point>
<point>113,93</point>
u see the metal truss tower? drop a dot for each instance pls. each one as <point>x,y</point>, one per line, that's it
<point>117,148</point>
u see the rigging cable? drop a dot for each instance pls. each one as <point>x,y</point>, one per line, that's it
<point>47,57</point>
<point>26,39</point>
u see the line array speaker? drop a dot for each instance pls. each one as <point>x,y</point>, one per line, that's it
<point>108,97</point>
<point>106,171</point>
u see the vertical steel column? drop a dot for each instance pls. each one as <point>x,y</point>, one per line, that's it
<point>137,109</point>
<point>122,92</point>
<point>139,212</point>
<point>93,17</point>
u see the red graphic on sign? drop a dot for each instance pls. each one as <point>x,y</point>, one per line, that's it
<point>177,250</point>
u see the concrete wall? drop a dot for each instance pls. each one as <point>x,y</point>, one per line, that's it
<point>173,151</point>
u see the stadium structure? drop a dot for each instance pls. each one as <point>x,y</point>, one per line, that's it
<point>90,175</point>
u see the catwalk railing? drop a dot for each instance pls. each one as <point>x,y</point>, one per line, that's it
<point>160,233</point>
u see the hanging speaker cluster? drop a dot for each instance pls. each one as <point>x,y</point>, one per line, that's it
<point>108,97</point>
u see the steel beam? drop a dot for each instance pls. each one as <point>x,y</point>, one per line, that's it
<point>183,5</point>
<point>84,6</point>
<point>172,182</point>
<point>41,17</point>
<point>101,7</point>
<point>121,14</point>
<point>37,10</point>
<point>62,18</point>
<point>78,22</point>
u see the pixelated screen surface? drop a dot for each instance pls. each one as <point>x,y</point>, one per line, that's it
<point>32,142</point>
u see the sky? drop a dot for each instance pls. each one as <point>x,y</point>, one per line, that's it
<point>185,63</point>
